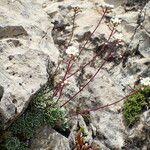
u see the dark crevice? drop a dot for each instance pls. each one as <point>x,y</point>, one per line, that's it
<point>1,92</point>
<point>12,32</point>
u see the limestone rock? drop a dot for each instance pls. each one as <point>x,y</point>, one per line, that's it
<point>140,38</point>
<point>26,53</point>
<point>48,139</point>
<point>28,22</point>
<point>139,135</point>
<point>1,92</point>
<point>21,76</point>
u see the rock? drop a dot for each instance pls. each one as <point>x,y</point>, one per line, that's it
<point>135,28</point>
<point>146,118</point>
<point>30,31</point>
<point>142,34</point>
<point>110,129</point>
<point>21,77</point>
<point>147,18</point>
<point>139,136</point>
<point>27,21</point>
<point>12,31</point>
<point>26,54</point>
<point>48,139</point>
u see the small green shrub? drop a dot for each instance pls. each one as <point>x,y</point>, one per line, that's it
<point>38,115</point>
<point>146,91</point>
<point>55,116</point>
<point>134,105</point>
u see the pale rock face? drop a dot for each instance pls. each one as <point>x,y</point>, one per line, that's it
<point>21,76</point>
<point>32,20</point>
<point>26,53</point>
<point>133,33</point>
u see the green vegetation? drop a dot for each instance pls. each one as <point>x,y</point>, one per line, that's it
<point>27,124</point>
<point>38,114</point>
<point>13,143</point>
<point>135,104</point>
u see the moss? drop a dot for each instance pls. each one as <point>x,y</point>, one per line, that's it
<point>135,104</point>
<point>146,91</point>
<point>26,125</point>
<point>37,114</point>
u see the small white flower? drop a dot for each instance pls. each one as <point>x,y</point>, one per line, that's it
<point>71,50</point>
<point>115,20</point>
<point>146,81</point>
<point>65,82</point>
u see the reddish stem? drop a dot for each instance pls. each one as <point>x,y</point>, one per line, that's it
<point>87,82</point>
<point>105,60</point>
<point>64,78</point>
<point>59,84</point>
<point>82,67</point>
<point>105,11</point>
<point>74,18</point>
<point>104,106</point>
<point>82,48</point>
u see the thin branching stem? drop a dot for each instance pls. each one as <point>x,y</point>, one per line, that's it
<point>104,106</point>
<point>83,66</point>
<point>87,82</point>
<point>61,83</point>
<point>64,78</point>
<point>73,26</point>
<point>100,67</point>
<point>86,42</point>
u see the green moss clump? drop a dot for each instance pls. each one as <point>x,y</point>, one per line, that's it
<point>26,125</point>
<point>55,116</point>
<point>37,114</point>
<point>146,91</point>
<point>134,105</point>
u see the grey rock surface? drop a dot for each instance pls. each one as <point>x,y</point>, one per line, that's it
<point>49,139</point>
<point>25,55</point>
<point>21,76</point>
